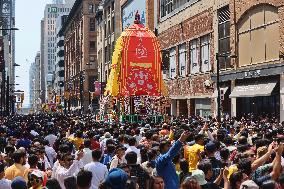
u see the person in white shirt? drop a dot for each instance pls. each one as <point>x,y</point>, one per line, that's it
<point>4,183</point>
<point>137,136</point>
<point>68,167</point>
<point>50,153</point>
<point>132,148</point>
<point>87,158</point>
<point>51,138</point>
<point>99,170</point>
<point>106,137</point>
<point>118,158</point>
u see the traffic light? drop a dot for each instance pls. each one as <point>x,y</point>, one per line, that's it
<point>57,99</point>
<point>222,94</point>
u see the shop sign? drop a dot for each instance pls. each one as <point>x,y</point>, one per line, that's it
<point>253,73</point>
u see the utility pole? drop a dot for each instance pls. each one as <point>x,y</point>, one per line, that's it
<point>81,92</point>
<point>7,96</point>
<point>218,89</point>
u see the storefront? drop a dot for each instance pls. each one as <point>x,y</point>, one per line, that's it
<point>259,96</point>
<point>203,107</point>
<point>258,90</point>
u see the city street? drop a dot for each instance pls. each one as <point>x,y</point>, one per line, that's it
<point>141,94</point>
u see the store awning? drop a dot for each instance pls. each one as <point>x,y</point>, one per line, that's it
<point>254,90</point>
<point>215,94</point>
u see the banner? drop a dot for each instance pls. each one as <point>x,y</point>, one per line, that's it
<point>136,64</point>
<point>141,63</point>
<point>97,88</point>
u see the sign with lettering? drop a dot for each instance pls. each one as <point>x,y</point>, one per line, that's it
<point>53,9</point>
<point>129,11</point>
<point>7,15</point>
<point>253,73</point>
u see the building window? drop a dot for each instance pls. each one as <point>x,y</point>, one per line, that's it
<point>105,29</point>
<point>224,36</point>
<point>91,8</point>
<point>205,53</point>
<point>182,60</point>
<point>173,63</point>
<point>258,34</point>
<point>112,24</point>
<point>112,6</point>
<point>106,54</point>
<point>194,66</point>
<point>168,6</point>
<point>108,27</point>
<point>106,76</point>
<point>92,24</point>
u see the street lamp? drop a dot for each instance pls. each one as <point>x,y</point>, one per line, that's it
<point>218,82</point>
<point>16,65</point>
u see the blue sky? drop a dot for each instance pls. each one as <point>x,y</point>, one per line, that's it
<point>28,16</point>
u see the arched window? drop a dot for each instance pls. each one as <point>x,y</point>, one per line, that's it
<point>258,33</point>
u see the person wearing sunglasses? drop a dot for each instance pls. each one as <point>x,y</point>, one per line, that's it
<point>36,179</point>
<point>69,166</point>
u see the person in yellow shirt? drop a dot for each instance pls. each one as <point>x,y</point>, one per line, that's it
<point>17,169</point>
<point>78,141</point>
<point>194,152</point>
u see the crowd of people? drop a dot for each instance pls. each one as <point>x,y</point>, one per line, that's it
<point>77,152</point>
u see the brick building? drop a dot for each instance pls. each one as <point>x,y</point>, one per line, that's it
<point>248,38</point>
<point>80,54</point>
<point>187,33</point>
<point>254,80</point>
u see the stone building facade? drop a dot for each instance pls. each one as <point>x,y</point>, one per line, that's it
<point>80,54</point>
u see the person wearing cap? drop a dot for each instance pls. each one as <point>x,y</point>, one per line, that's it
<point>19,183</point>
<point>249,184</point>
<point>116,179</point>
<point>107,136</point>
<point>164,165</point>
<point>33,164</point>
<point>200,178</point>
<point>36,179</point>
<point>210,149</point>
<point>4,183</point>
